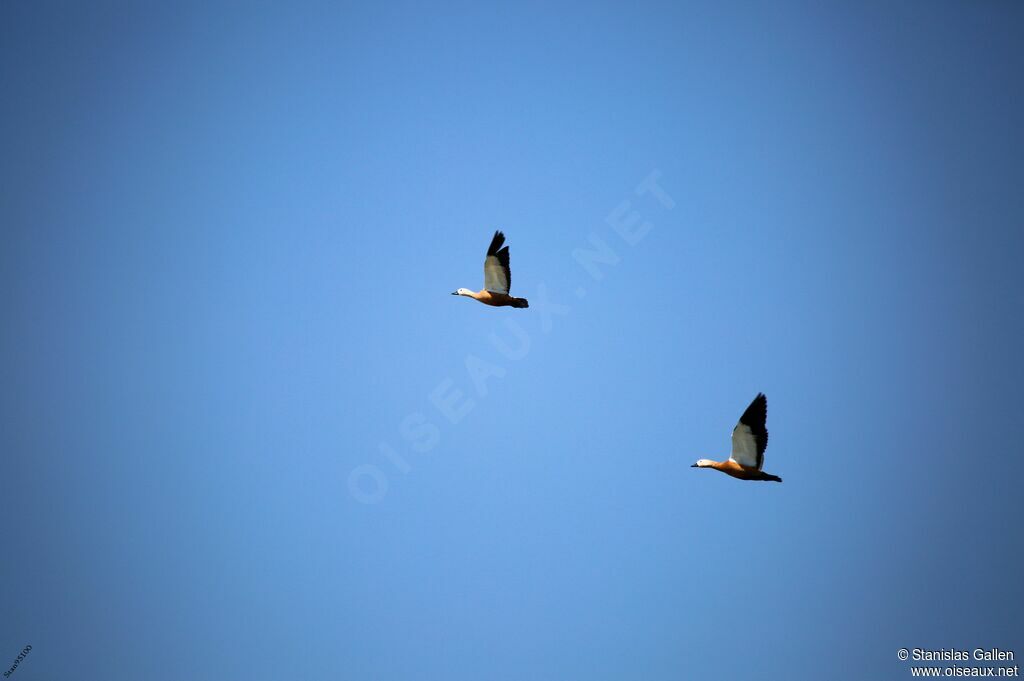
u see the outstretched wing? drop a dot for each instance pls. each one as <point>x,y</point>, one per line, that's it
<point>497,275</point>
<point>750,437</point>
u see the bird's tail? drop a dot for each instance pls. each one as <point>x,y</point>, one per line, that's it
<point>772,478</point>
<point>520,302</point>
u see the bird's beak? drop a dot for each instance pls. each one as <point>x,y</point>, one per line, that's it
<point>694,466</point>
<point>455,293</point>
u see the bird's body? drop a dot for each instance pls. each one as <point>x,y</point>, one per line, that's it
<point>496,299</point>
<point>749,440</point>
<point>736,470</point>
<point>497,278</point>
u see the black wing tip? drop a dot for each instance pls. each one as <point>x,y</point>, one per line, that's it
<point>757,411</point>
<point>755,417</point>
<point>496,242</point>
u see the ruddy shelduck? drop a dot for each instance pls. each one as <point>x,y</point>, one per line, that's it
<point>497,278</point>
<point>749,440</point>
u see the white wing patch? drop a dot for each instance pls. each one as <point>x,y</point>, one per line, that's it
<point>495,278</point>
<point>744,446</point>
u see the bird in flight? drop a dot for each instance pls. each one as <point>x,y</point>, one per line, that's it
<point>497,278</point>
<point>749,439</point>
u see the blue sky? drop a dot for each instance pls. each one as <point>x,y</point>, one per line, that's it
<point>229,238</point>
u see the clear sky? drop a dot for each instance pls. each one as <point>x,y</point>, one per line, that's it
<point>229,238</point>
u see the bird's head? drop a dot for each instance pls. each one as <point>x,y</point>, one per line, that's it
<point>462,292</point>
<point>702,463</point>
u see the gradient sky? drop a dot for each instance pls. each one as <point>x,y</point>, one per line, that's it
<point>229,238</point>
